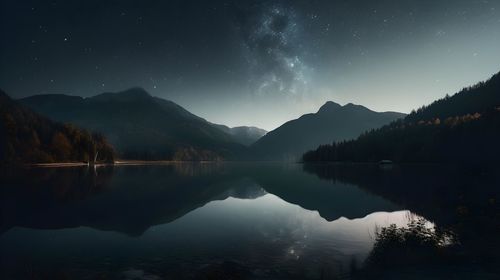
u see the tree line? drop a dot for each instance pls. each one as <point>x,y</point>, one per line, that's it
<point>26,137</point>
<point>463,127</point>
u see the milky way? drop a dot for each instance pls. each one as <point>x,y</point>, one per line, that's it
<point>273,50</point>
<point>251,62</point>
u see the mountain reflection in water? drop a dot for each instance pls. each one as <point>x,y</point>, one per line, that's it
<point>218,220</point>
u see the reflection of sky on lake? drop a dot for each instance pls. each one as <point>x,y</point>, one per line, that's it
<point>265,234</point>
<point>270,220</point>
<point>253,221</point>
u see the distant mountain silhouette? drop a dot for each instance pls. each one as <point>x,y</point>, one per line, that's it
<point>27,137</point>
<point>462,128</point>
<point>332,122</point>
<point>141,126</point>
<point>246,135</point>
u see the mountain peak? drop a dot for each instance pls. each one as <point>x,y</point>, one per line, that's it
<point>329,106</point>
<point>355,106</point>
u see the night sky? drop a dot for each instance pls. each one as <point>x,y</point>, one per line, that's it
<point>251,62</point>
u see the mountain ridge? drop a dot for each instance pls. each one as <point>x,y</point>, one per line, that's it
<point>459,128</point>
<point>27,137</point>
<point>142,126</point>
<point>330,123</point>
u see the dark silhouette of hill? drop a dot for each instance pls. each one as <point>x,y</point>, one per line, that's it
<point>462,128</point>
<point>27,137</point>
<point>475,99</point>
<point>332,122</point>
<point>246,135</point>
<point>141,126</point>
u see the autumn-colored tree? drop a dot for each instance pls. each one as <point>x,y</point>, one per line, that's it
<point>460,128</point>
<point>26,137</point>
<point>61,146</point>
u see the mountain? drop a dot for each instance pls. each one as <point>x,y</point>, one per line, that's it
<point>26,137</point>
<point>332,122</point>
<point>462,128</point>
<point>245,135</point>
<point>477,98</point>
<point>140,126</point>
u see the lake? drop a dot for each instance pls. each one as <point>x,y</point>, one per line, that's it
<point>245,221</point>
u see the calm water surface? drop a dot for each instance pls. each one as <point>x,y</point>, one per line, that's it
<point>210,221</point>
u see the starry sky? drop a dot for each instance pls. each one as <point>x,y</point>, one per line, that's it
<point>251,62</point>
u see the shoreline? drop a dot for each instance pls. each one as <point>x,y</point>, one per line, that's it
<point>116,163</point>
<point>170,162</point>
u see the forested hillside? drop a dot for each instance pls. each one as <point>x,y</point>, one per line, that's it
<point>26,137</point>
<point>140,126</point>
<point>463,127</point>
